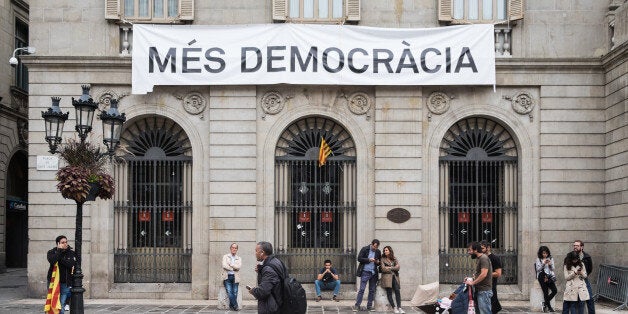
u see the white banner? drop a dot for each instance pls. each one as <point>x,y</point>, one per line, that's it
<point>311,54</point>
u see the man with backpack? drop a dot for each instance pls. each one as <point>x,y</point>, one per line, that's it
<point>276,292</point>
<point>268,291</point>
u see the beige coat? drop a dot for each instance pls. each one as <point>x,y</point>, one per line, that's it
<point>226,266</point>
<point>388,269</point>
<point>575,286</point>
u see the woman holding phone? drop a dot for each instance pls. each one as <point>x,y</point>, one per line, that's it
<point>544,266</point>
<point>575,288</point>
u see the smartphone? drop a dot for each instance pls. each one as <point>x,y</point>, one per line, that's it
<point>248,287</point>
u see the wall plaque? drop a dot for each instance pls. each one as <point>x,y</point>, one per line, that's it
<point>398,215</point>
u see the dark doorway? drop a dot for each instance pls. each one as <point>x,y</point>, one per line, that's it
<point>16,242</point>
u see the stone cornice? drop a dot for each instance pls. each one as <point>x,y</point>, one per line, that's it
<point>105,63</point>
<point>616,56</point>
<point>35,63</point>
<point>548,64</point>
<point>10,112</point>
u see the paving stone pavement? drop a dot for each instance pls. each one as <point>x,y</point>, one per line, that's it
<point>13,299</point>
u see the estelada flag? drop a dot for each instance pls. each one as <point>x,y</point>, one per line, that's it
<point>323,152</point>
<point>53,306</point>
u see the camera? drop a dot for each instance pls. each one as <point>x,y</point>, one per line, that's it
<point>13,61</point>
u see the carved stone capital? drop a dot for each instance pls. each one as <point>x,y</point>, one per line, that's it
<point>359,103</point>
<point>438,102</point>
<point>272,102</point>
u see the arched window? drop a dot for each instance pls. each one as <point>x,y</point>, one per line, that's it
<point>315,205</point>
<point>477,196</point>
<point>153,203</point>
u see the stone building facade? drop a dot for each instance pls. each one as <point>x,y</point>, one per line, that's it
<point>13,136</point>
<point>556,117</point>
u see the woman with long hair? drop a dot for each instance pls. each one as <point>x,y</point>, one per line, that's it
<point>575,288</point>
<point>389,268</point>
<point>545,275</point>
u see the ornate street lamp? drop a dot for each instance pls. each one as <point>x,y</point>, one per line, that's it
<point>112,126</point>
<point>54,124</point>
<point>112,122</point>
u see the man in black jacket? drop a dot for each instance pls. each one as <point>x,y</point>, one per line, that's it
<point>578,247</point>
<point>66,258</point>
<point>268,291</point>
<point>368,258</point>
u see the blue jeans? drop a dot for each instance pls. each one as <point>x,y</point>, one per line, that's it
<point>371,278</point>
<point>320,285</point>
<point>590,302</point>
<point>232,291</point>
<point>573,307</point>
<point>64,294</point>
<point>484,301</point>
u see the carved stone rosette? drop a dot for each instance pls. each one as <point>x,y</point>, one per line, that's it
<point>272,102</point>
<point>106,97</point>
<point>194,103</point>
<point>522,103</point>
<point>359,103</point>
<point>438,102</point>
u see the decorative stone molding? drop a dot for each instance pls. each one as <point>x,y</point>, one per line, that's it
<point>106,96</point>
<point>22,133</point>
<point>194,103</point>
<point>522,103</point>
<point>437,103</point>
<point>359,103</point>
<point>272,103</point>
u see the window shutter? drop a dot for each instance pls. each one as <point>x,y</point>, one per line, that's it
<point>112,9</point>
<point>280,10</point>
<point>515,10</point>
<point>445,10</point>
<point>353,10</point>
<point>186,10</point>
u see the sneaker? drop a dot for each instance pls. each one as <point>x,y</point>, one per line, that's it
<point>370,309</point>
<point>318,298</point>
<point>401,310</point>
<point>354,308</point>
<point>66,307</point>
<point>335,299</point>
<point>396,310</point>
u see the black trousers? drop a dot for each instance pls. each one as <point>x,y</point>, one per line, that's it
<point>389,291</point>
<point>548,287</point>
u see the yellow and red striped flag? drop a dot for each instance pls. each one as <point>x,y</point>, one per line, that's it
<point>323,152</point>
<point>53,306</point>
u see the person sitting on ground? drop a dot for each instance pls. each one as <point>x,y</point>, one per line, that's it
<point>327,279</point>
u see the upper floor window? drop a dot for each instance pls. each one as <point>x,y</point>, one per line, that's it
<point>316,11</point>
<point>21,40</point>
<point>153,11</point>
<point>479,11</point>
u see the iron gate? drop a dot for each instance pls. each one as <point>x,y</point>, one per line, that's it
<point>477,197</point>
<point>315,205</point>
<point>153,207</point>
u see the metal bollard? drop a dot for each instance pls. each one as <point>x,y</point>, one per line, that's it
<point>612,284</point>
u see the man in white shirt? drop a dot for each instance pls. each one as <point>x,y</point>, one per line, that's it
<point>231,264</point>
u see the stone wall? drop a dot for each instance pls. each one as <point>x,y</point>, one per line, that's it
<point>616,140</point>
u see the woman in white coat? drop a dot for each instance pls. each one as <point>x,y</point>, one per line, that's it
<point>575,288</point>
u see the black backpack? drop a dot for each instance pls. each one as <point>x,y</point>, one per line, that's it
<point>293,294</point>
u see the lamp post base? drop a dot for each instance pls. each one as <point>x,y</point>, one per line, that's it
<point>76,303</point>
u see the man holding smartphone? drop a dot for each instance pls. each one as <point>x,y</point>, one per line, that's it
<point>327,279</point>
<point>368,272</point>
<point>62,255</point>
<point>578,247</point>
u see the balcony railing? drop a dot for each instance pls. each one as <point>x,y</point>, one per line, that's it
<point>503,47</point>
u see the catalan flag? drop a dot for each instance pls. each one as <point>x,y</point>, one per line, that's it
<point>323,152</point>
<point>53,306</point>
